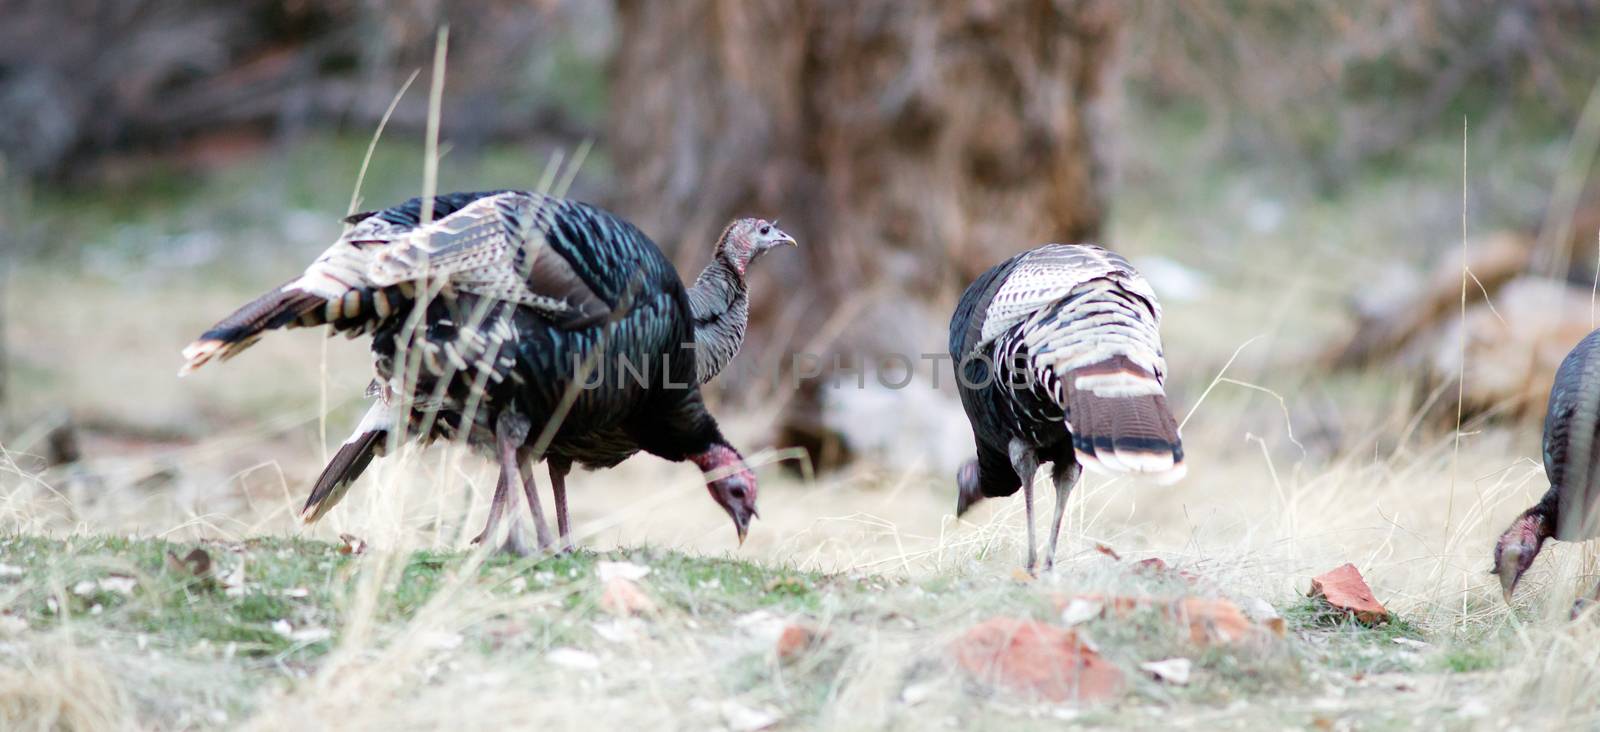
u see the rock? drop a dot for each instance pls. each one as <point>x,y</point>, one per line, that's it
<point>624,598</point>
<point>1343,589</point>
<point>1031,658</point>
<point>794,641</point>
<point>1213,621</point>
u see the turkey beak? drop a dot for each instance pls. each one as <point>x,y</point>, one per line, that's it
<point>1510,562</point>
<point>741,523</point>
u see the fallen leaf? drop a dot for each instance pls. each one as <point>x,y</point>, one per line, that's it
<point>1213,621</point>
<point>573,658</point>
<point>761,625</point>
<point>233,582</point>
<point>196,564</point>
<point>11,570</point>
<point>625,570</point>
<point>310,635</point>
<point>620,630</point>
<point>1081,610</point>
<point>1412,643</point>
<point>1259,610</point>
<point>1173,670</point>
<point>1345,590</point>
<point>741,718</point>
<point>441,640</point>
<point>786,584</point>
<point>795,640</point>
<point>1036,659</point>
<point>1021,575</point>
<point>1153,565</point>
<point>915,694</point>
<point>119,585</point>
<point>1108,551</point>
<point>351,544</point>
<point>624,598</point>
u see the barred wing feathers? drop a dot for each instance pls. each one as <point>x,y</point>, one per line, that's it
<point>496,245</point>
<point>1087,325</point>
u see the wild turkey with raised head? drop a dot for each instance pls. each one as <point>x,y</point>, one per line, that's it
<point>505,312</point>
<point>1058,359</point>
<point>1570,509</point>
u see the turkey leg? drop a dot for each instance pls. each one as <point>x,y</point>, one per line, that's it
<point>558,486</point>
<point>1065,479</point>
<point>1026,464</point>
<point>510,431</point>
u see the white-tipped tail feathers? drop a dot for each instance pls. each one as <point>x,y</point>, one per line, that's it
<point>1090,326</point>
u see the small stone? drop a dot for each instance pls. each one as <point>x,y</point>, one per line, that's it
<point>1345,590</point>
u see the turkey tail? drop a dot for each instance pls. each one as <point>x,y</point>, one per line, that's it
<point>1121,422</point>
<point>348,463</point>
<point>283,306</point>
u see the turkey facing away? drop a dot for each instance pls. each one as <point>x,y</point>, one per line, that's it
<point>1058,359</point>
<point>510,312</point>
<point>1570,510</point>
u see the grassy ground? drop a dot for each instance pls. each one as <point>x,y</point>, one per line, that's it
<point>1293,472</point>
<point>101,630</point>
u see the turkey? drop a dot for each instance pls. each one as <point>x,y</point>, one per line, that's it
<point>1570,510</point>
<point>719,305</point>
<point>518,323</point>
<point>1057,354</point>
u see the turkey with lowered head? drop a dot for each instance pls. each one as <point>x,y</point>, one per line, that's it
<point>517,322</point>
<point>1570,509</point>
<point>1057,354</point>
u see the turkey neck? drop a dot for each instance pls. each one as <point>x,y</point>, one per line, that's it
<point>721,307</point>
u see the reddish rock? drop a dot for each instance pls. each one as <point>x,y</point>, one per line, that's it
<point>795,640</point>
<point>1344,589</point>
<point>623,597</point>
<point>1213,621</point>
<point>1039,660</point>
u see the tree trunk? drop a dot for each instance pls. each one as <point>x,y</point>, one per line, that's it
<point>908,146</point>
